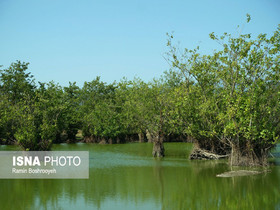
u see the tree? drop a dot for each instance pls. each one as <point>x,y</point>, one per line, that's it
<point>96,100</point>
<point>237,96</point>
<point>15,85</point>
<point>15,82</point>
<point>72,117</point>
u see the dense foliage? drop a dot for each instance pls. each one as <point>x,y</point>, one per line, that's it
<point>233,96</point>
<point>227,102</point>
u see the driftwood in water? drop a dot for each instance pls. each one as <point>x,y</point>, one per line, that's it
<point>201,154</point>
<point>240,173</point>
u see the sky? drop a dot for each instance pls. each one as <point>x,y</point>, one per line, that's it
<point>70,40</point>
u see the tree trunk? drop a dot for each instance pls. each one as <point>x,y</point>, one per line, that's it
<point>149,137</point>
<point>158,149</point>
<point>141,137</point>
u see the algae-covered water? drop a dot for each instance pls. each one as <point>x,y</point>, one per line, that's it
<point>126,176</point>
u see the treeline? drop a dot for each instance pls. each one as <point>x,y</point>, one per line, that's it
<point>227,102</point>
<point>35,116</point>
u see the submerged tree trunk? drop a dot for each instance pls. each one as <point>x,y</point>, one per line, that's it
<point>158,149</point>
<point>248,155</point>
<point>141,137</point>
<point>149,136</point>
<point>240,153</point>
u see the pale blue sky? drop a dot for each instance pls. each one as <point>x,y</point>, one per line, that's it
<point>67,40</point>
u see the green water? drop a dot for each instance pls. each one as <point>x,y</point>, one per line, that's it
<point>127,177</point>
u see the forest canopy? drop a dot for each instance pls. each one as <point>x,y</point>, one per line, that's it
<point>227,103</point>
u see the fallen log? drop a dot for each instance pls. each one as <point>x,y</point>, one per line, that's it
<point>201,154</point>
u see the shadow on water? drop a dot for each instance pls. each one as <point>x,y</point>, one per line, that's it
<point>127,177</point>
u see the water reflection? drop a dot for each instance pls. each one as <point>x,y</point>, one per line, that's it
<point>126,177</point>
